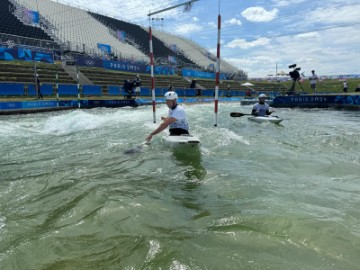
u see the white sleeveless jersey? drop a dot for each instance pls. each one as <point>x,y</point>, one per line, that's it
<point>179,114</point>
<point>261,108</point>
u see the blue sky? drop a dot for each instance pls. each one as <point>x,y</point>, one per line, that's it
<point>259,37</point>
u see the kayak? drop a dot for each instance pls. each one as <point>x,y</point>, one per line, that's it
<point>182,142</point>
<point>269,118</point>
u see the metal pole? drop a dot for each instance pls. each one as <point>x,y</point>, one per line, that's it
<point>57,86</point>
<point>78,85</point>
<point>152,73</point>
<point>35,80</point>
<point>172,7</point>
<point>152,53</point>
<point>217,68</point>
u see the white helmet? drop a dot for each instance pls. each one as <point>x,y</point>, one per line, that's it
<point>171,95</point>
<point>262,96</point>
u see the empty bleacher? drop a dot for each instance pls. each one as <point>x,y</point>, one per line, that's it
<point>198,55</point>
<point>11,71</point>
<point>10,24</point>
<point>141,38</point>
<point>79,31</point>
<point>106,78</point>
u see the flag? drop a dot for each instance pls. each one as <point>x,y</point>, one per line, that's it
<point>172,59</point>
<point>121,35</point>
<point>188,7</point>
<point>173,47</point>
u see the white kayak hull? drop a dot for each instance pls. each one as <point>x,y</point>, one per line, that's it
<point>261,119</point>
<point>182,142</point>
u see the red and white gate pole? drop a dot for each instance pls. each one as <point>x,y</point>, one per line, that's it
<point>152,74</point>
<point>217,82</point>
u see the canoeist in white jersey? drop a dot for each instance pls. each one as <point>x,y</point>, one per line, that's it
<point>261,108</point>
<point>176,120</point>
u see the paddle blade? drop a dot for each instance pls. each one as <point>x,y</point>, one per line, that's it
<point>136,149</point>
<point>237,114</point>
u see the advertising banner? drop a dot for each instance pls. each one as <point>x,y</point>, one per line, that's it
<point>124,66</point>
<point>104,48</point>
<point>30,17</point>
<point>88,62</point>
<point>121,35</point>
<point>9,54</point>
<point>201,74</point>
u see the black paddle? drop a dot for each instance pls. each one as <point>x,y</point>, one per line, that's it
<point>136,149</point>
<point>238,114</point>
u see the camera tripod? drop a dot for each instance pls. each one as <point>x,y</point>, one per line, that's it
<point>292,89</point>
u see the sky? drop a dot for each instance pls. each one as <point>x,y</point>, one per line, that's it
<point>261,38</point>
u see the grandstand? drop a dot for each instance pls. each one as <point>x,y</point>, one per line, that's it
<point>204,59</point>
<point>79,31</point>
<point>13,30</point>
<point>139,36</point>
<point>23,72</point>
<point>68,34</point>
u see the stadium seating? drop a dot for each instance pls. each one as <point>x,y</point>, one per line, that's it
<point>80,31</point>
<point>198,55</point>
<point>12,71</point>
<point>141,38</point>
<point>9,24</point>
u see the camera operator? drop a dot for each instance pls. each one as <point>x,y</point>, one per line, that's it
<point>295,76</point>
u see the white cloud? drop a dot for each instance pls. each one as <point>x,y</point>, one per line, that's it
<point>212,24</point>
<point>345,14</point>
<point>233,21</point>
<point>284,3</point>
<point>310,35</point>
<point>187,28</point>
<point>243,44</point>
<point>259,14</point>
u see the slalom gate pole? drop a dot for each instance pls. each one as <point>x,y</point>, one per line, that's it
<point>217,82</point>
<point>152,73</point>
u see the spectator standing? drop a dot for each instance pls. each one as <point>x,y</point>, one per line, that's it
<point>357,89</point>
<point>38,87</point>
<point>313,81</point>
<point>228,92</point>
<point>128,88</point>
<point>345,86</point>
<point>137,84</point>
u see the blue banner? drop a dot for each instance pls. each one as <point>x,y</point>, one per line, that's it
<point>104,48</point>
<point>25,54</point>
<point>124,66</point>
<point>201,74</point>
<point>316,101</point>
<point>30,16</point>
<point>89,62</point>
<point>161,70</point>
<point>121,35</point>
<point>9,54</point>
<point>173,47</point>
